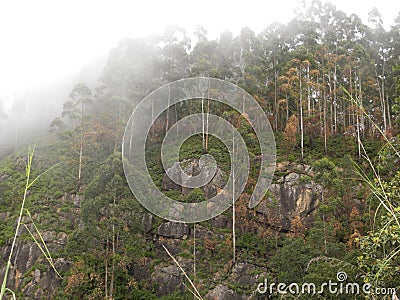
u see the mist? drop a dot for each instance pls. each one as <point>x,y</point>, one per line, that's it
<point>68,38</point>
<point>25,115</point>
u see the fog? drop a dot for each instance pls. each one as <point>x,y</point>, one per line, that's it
<point>25,115</point>
<point>48,47</point>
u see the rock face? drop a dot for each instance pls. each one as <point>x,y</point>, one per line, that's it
<point>147,222</point>
<point>293,194</point>
<point>222,292</point>
<point>173,230</point>
<point>30,273</point>
<point>192,168</point>
<point>77,200</point>
<point>243,274</point>
<point>44,283</point>
<point>140,270</point>
<point>168,279</point>
<point>221,221</point>
<point>4,177</point>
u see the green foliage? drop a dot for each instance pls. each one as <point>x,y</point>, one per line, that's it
<point>195,196</point>
<point>381,248</point>
<point>326,171</point>
<point>292,259</point>
<point>34,234</point>
<point>252,248</point>
<point>321,232</point>
<point>388,161</point>
<point>324,270</point>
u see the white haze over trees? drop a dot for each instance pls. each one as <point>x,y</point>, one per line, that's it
<point>45,45</point>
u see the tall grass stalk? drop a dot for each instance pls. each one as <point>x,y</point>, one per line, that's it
<point>377,187</point>
<point>195,292</point>
<point>42,246</point>
<point>375,183</point>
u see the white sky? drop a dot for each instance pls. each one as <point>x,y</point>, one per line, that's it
<point>42,41</point>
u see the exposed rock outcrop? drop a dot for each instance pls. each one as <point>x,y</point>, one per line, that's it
<point>147,222</point>
<point>28,262</point>
<point>222,292</point>
<point>221,221</point>
<point>4,177</point>
<point>30,272</point>
<point>192,168</point>
<point>173,230</point>
<point>292,194</point>
<point>244,274</point>
<point>167,279</point>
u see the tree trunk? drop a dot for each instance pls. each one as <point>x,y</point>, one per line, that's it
<point>80,160</point>
<point>330,98</point>
<point>308,91</point>
<point>152,119</point>
<point>207,118</point>
<point>113,257</point>
<point>233,201</point>
<point>112,264</point>
<point>335,98</point>
<point>194,250</point>
<point>276,98</point>
<point>80,148</point>
<point>325,128</point>
<point>203,124</point>
<point>106,271</point>
<point>301,116</point>
<point>324,222</point>
<point>167,113</point>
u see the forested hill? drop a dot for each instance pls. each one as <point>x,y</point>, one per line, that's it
<point>343,67</point>
<point>330,86</point>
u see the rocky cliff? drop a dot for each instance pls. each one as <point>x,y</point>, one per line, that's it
<point>293,193</point>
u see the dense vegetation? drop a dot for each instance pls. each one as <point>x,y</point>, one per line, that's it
<point>331,88</point>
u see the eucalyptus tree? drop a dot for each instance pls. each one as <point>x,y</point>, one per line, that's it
<point>73,124</point>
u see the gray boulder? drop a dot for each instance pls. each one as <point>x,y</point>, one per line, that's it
<point>173,230</point>
<point>222,292</point>
<point>167,279</point>
<point>294,194</point>
<point>192,168</point>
